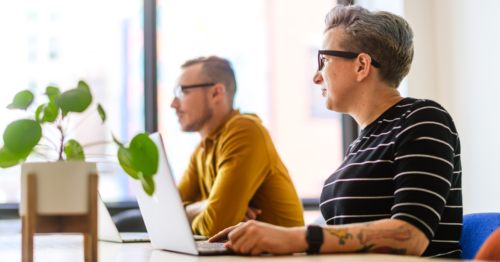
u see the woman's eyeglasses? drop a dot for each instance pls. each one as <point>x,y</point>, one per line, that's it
<point>343,54</point>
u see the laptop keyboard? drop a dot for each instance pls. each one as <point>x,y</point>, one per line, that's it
<point>210,246</point>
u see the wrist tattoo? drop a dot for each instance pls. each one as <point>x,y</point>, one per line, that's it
<point>400,234</point>
<point>340,233</point>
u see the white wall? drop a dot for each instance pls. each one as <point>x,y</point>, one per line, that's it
<point>457,63</point>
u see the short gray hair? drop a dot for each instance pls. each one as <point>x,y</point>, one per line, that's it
<point>216,70</point>
<point>386,37</point>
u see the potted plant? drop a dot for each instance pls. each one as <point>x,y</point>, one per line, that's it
<point>62,185</point>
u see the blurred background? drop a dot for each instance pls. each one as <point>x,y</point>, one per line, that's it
<point>272,45</point>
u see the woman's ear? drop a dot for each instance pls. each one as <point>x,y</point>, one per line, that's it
<point>363,67</point>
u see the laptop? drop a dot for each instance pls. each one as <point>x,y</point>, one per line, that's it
<point>107,230</point>
<point>164,214</point>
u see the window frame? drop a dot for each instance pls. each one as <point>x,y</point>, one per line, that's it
<point>349,126</point>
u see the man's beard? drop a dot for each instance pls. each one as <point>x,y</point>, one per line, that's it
<point>199,122</point>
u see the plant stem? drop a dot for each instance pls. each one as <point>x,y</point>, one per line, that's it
<point>66,126</point>
<point>43,156</point>
<point>62,143</point>
<point>46,127</point>
<point>50,141</point>
<point>83,120</point>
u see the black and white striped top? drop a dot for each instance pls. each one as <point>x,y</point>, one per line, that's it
<point>405,165</point>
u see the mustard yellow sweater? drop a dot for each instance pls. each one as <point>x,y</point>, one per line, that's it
<point>237,166</point>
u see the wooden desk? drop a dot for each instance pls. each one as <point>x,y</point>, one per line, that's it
<point>54,248</point>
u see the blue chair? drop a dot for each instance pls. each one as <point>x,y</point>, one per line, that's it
<point>476,229</point>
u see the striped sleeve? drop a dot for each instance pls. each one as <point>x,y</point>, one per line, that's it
<point>423,167</point>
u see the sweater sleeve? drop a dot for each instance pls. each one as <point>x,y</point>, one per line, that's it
<point>241,169</point>
<point>423,165</point>
<point>189,186</point>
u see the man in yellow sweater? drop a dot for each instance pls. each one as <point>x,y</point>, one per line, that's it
<point>235,174</point>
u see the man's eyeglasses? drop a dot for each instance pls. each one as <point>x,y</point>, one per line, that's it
<point>178,90</point>
<point>343,54</point>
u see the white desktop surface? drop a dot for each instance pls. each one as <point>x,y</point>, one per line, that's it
<point>69,247</point>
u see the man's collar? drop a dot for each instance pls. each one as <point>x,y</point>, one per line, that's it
<point>220,128</point>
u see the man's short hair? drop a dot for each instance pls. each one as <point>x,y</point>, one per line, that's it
<point>386,37</point>
<point>216,70</point>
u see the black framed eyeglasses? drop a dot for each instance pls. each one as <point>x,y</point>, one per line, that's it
<point>178,90</point>
<point>340,54</point>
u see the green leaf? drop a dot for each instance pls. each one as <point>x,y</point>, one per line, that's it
<point>52,93</point>
<point>74,151</point>
<point>101,112</point>
<point>82,85</point>
<point>39,110</point>
<point>64,113</point>
<point>50,112</point>
<point>144,155</point>
<point>75,100</point>
<point>22,100</point>
<point>125,159</point>
<point>46,113</point>
<point>147,183</point>
<point>8,158</point>
<point>116,141</point>
<point>22,135</point>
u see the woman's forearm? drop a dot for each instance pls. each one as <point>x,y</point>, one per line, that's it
<point>390,236</point>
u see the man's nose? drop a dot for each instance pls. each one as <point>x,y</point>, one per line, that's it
<point>175,103</point>
<point>317,78</point>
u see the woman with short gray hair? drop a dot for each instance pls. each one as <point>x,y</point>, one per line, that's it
<point>398,190</point>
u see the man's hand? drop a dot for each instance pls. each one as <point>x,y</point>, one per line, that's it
<point>251,214</point>
<point>222,236</point>
<point>255,238</point>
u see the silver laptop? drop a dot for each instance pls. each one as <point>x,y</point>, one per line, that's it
<point>164,215</point>
<point>107,230</point>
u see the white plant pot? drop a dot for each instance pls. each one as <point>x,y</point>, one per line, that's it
<point>62,188</point>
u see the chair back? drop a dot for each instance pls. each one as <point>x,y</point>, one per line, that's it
<point>476,229</point>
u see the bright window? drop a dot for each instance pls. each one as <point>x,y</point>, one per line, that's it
<point>273,47</point>
<point>57,42</point>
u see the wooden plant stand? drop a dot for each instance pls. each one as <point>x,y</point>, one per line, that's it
<point>86,224</point>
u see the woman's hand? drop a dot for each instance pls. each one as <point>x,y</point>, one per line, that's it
<point>255,238</point>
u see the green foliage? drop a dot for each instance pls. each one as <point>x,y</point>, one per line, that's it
<point>39,110</point>
<point>125,159</point>
<point>47,113</point>
<point>50,111</point>
<point>116,141</point>
<point>22,135</point>
<point>140,160</point>
<point>75,100</point>
<point>102,114</point>
<point>147,183</point>
<point>9,159</point>
<point>74,151</point>
<point>144,154</point>
<point>52,93</point>
<point>22,100</point>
